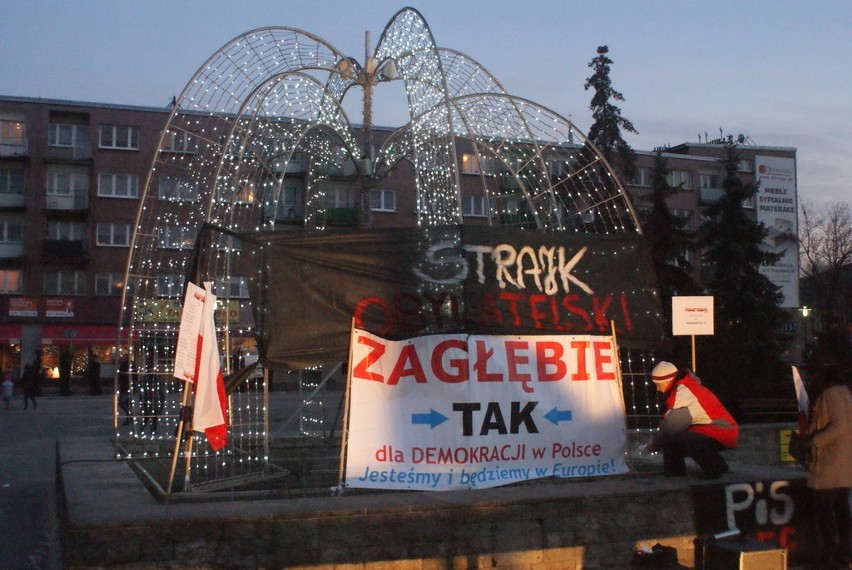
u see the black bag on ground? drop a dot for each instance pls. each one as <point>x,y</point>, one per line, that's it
<point>660,557</point>
<point>799,449</point>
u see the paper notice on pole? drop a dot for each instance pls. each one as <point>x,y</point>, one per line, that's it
<point>190,328</point>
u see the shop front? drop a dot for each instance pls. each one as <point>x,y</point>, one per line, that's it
<point>78,346</point>
<point>10,349</point>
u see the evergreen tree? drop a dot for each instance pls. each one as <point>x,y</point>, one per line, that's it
<point>744,357</point>
<point>605,131</point>
<point>669,242</point>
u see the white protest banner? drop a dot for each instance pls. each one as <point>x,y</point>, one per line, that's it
<point>692,315</point>
<point>458,411</point>
<point>190,330</point>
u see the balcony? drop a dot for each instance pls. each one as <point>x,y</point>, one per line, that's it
<point>710,195</point>
<point>13,149</point>
<point>517,221</point>
<point>11,250</point>
<point>68,251</point>
<point>78,201</point>
<point>69,153</point>
<point>345,170</point>
<point>345,217</point>
<point>12,201</point>
<point>511,183</point>
<point>296,165</point>
<point>284,213</point>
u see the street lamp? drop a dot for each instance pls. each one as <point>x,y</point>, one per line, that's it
<point>804,334</point>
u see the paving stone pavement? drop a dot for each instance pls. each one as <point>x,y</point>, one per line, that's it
<point>29,538</point>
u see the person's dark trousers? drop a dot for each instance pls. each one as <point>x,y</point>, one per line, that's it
<point>834,525</point>
<point>702,449</point>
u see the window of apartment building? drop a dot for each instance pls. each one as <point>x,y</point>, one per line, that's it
<point>709,180</point>
<point>175,237</point>
<point>470,164</point>
<point>290,196</point>
<point>473,205</point>
<point>177,189</point>
<point>745,166</point>
<point>11,180</point>
<point>13,132</point>
<point>382,200</point>
<point>234,287</point>
<point>109,284</point>
<point>642,176</point>
<point>288,207</point>
<point>62,230</point>
<point>113,235</point>
<point>682,178</point>
<point>243,194</point>
<point>67,135</point>
<point>228,243</point>
<point>67,181</point>
<point>119,137</point>
<point>169,285</point>
<point>557,169</point>
<point>180,141</point>
<point>339,197</point>
<point>11,231</point>
<point>684,215</point>
<point>65,283</point>
<point>112,185</point>
<point>10,281</point>
<point>511,205</point>
<point>689,258</point>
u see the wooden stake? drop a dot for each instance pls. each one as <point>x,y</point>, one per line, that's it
<point>187,386</point>
<point>345,426</point>
<point>694,364</point>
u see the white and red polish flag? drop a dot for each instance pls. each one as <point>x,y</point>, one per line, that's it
<point>210,410</point>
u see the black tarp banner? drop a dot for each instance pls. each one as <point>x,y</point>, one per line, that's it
<point>400,283</point>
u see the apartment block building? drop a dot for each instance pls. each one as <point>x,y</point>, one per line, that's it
<point>71,175</point>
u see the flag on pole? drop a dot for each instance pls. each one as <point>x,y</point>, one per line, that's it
<point>210,410</point>
<point>802,399</point>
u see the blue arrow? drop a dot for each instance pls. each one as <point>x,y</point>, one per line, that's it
<point>431,419</point>
<point>555,416</point>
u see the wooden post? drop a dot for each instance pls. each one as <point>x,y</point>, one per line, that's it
<point>187,386</point>
<point>694,364</point>
<point>344,436</point>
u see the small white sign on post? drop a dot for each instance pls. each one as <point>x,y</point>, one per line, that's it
<point>692,315</point>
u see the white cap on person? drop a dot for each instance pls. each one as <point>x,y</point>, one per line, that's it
<point>663,372</point>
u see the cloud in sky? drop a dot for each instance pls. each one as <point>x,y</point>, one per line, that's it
<point>778,71</point>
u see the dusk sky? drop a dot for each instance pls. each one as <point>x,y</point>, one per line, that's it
<point>779,72</point>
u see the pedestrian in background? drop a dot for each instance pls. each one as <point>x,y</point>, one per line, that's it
<point>8,390</point>
<point>29,383</point>
<point>124,387</point>
<point>829,438</point>
<point>93,374</point>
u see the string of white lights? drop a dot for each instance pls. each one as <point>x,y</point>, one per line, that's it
<point>265,110</point>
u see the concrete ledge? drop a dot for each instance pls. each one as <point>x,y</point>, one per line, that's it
<point>111,521</point>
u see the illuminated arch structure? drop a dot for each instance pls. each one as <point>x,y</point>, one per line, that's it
<point>269,102</point>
